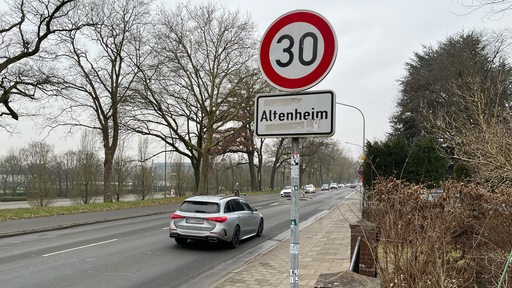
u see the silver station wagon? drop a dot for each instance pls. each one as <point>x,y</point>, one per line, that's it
<point>226,219</point>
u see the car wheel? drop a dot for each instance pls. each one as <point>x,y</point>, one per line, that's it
<point>260,229</point>
<point>180,241</point>
<point>235,240</point>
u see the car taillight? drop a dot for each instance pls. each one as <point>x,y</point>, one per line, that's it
<point>176,216</point>
<point>219,219</point>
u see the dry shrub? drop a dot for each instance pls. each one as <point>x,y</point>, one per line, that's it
<point>460,239</point>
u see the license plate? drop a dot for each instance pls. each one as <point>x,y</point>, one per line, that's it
<point>195,220</point>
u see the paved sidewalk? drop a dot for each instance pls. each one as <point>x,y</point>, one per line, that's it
<point>324,247</point>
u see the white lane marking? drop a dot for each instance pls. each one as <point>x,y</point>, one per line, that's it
<point>81,247</point>
<point>350,194</point>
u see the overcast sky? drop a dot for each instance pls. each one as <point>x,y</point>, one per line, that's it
<point>375,40</point>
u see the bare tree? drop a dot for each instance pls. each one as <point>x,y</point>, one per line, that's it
<point>12,171</point>
<point>260,143</point>
<point>188,92</point>
<point>239,137</point>
<point>486,142</point>
<point>478,128</point>
<point>316,152</point>
<point>493,7</point>
<point>144,175</point>
<point>178,175</point>
<point>67,165</point>
<point>101,69</point>
<point>460,93</point>
<point>23,30</point>
<point>87,174</point>
<point>41,190</point>
<point>123,169</point>
<point>280,154</point>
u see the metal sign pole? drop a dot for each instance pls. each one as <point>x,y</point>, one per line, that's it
<point>297,77</point>
<point>294,215</point>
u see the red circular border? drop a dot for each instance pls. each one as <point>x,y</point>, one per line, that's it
<point>323,67</point>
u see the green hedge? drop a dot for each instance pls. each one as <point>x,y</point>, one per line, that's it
<point>12,198</point>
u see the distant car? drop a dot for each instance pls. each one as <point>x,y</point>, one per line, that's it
<point>287,191</point>
<point>333,186</point>
<point>310,188</point>
<point>325,187</point>
<point>226,219</point>
<point>340,185</point>
<point>353,185</point>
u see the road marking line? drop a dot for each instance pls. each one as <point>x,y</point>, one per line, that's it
<point>81,247</point>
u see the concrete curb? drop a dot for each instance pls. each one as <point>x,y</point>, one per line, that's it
<point>71,225</point>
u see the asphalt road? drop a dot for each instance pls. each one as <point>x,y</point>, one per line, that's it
<point>138,252</point>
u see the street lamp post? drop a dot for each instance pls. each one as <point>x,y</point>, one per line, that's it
<point>362,146</point>
<point>362,115</point>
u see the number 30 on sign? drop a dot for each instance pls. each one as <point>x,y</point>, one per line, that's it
<point>297,50</point>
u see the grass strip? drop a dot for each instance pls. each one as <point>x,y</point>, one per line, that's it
<point>24,213</point>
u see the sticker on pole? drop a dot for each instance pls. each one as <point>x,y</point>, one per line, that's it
<point>298,50</point>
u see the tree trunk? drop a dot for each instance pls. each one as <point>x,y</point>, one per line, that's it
<point>273,175</point>
<point>259,154</point>
<point>204,169</point>
<point>252,170</point>
<point>196,166</point>
<point>275,164</point>
<point>258,174</point>
<point>108,174</point>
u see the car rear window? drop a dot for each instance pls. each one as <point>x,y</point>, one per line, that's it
<point>199,207</point>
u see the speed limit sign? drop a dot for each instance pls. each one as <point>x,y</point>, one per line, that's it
<point>297,50</point>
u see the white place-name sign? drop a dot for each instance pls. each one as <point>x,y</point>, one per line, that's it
<point>303,114</point>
